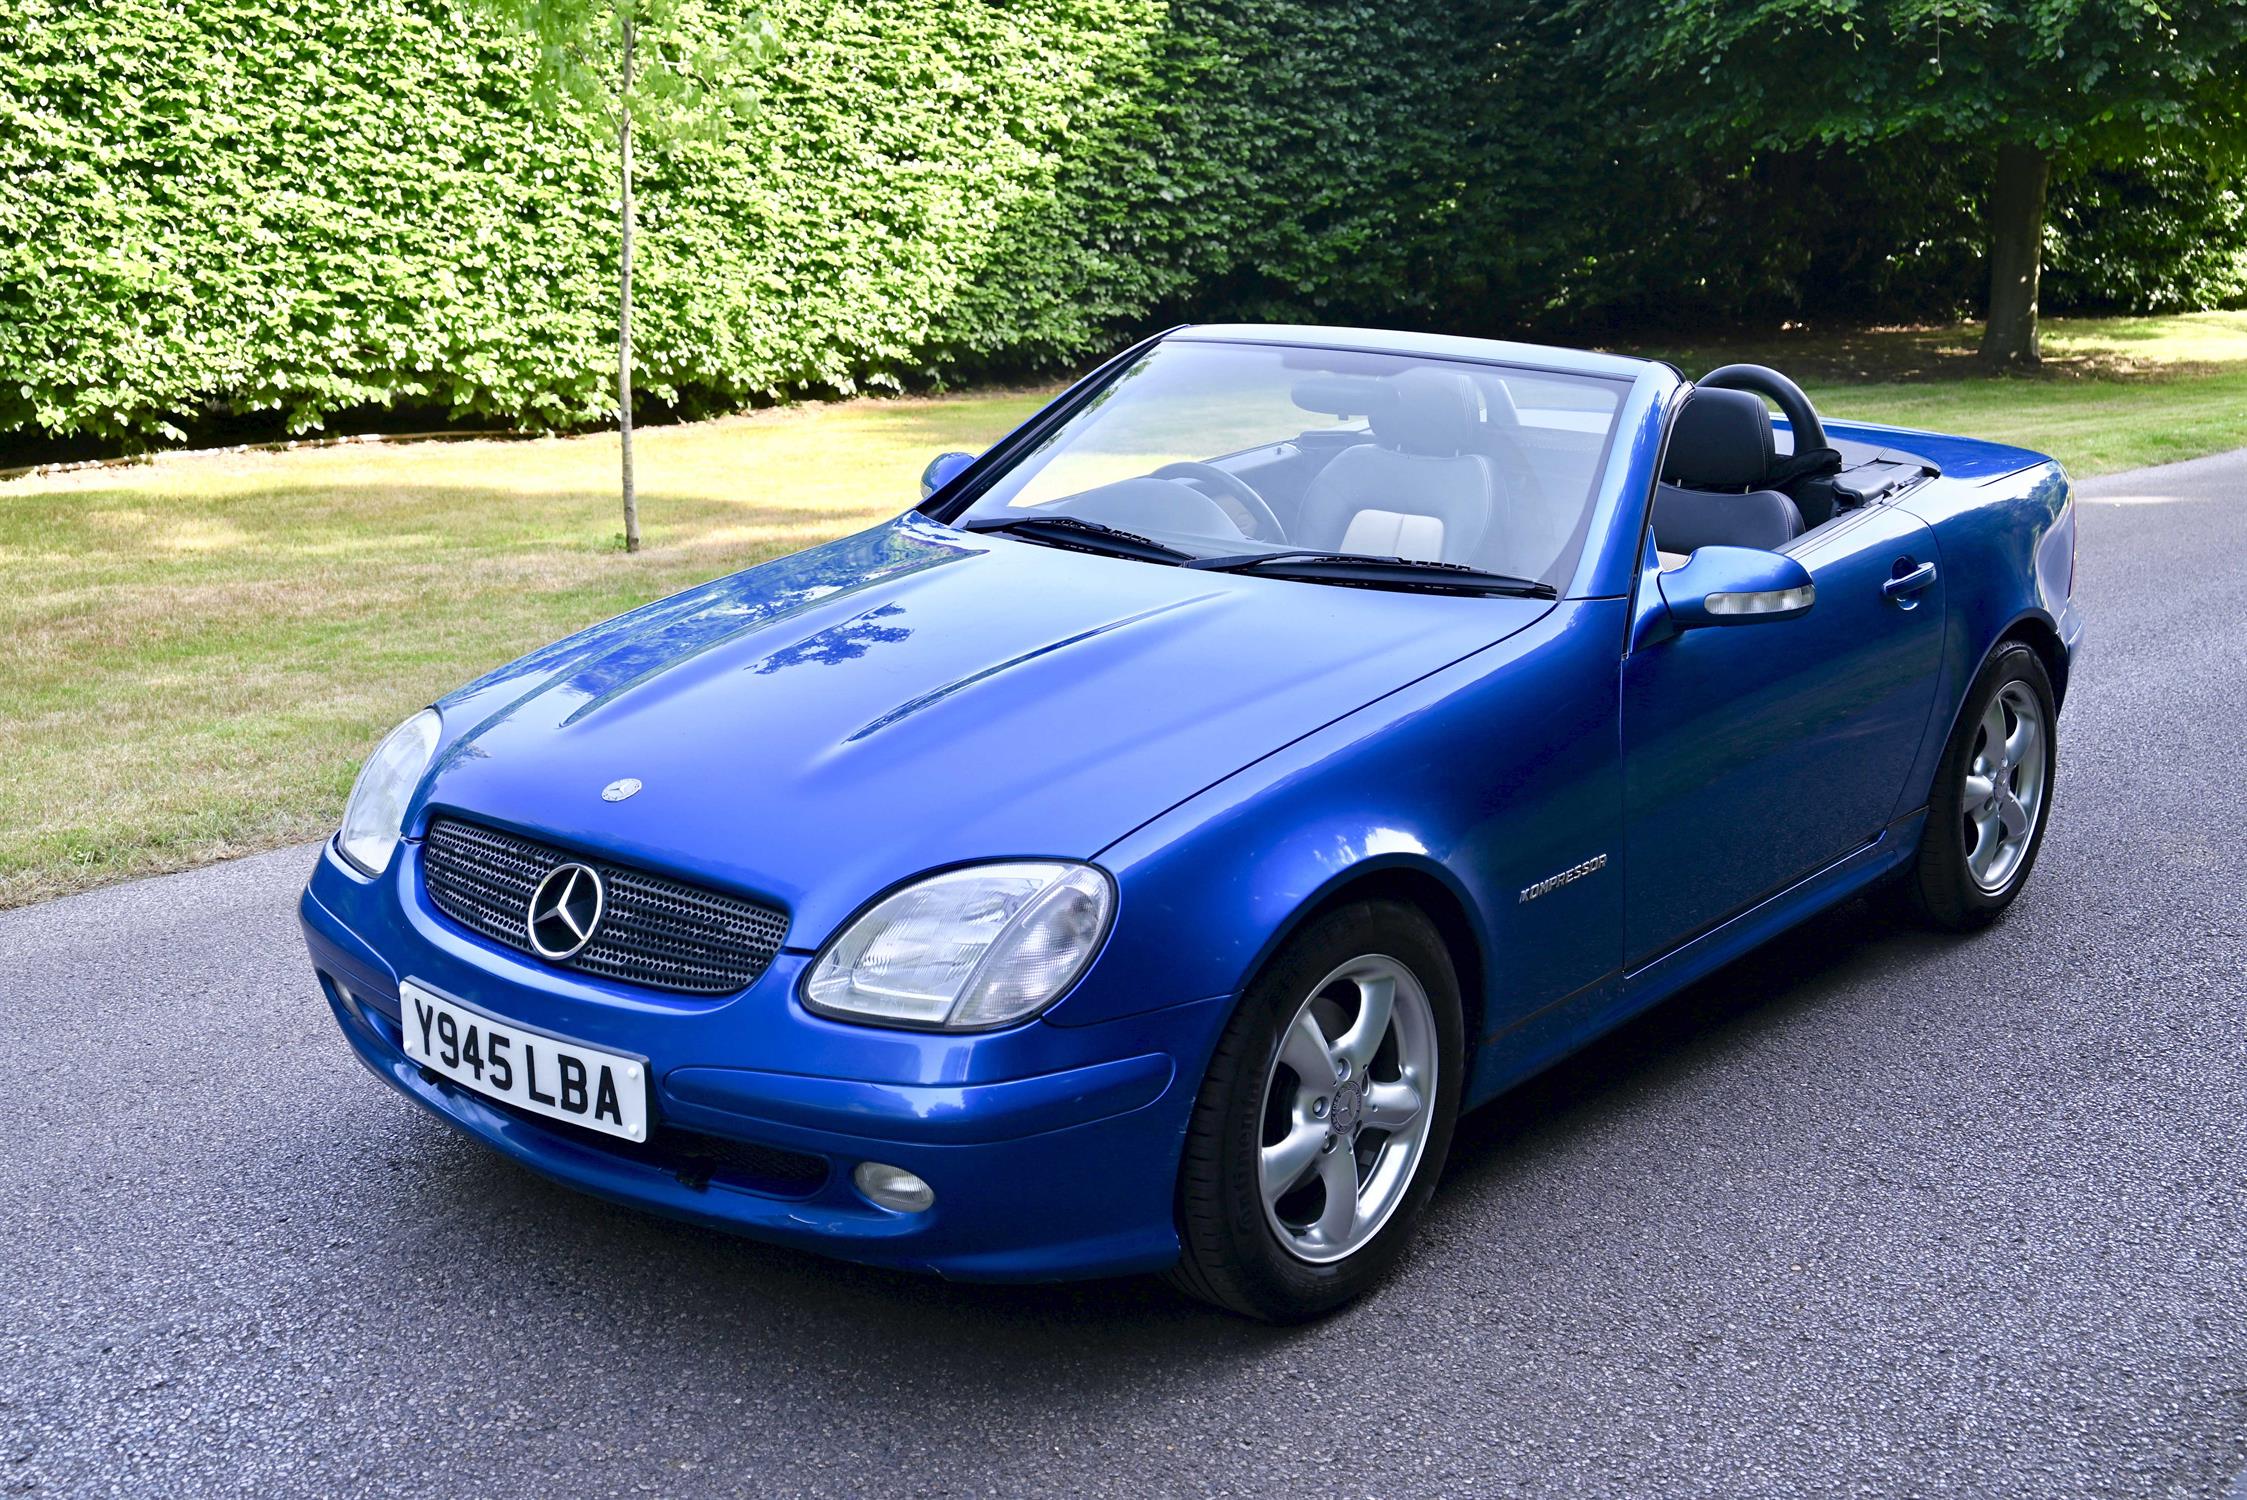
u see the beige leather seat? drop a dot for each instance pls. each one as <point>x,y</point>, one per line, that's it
<point>1418,490</point>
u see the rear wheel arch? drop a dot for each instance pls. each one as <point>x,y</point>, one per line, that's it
<point>1945,885</point>
<point>2034,631</point>
<point>2041,636</point>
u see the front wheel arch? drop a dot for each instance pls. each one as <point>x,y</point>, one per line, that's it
<point>1411,885</point>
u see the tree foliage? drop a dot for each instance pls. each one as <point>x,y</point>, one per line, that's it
<point>226,206</point>
<point>2025,84</point>
<point>2109,78</point>
<point>2166,232</point>
<point>691,68</point>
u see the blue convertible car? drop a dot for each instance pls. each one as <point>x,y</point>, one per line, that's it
<point>1136,856</point>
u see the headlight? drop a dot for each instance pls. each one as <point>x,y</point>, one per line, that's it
<point>376,813</point>
<point>967,949</point>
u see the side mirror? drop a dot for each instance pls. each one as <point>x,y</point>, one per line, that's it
<point>941,470</point>
<point>1736,586</point>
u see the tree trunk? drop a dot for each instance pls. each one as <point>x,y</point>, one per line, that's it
<point>2016,256</point>
<point>624,299</point>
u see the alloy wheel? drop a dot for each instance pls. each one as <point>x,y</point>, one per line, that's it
<point>2005,782</point>
<point>1347,1106</point>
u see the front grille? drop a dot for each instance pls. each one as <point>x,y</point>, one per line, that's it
<point>654,931</point>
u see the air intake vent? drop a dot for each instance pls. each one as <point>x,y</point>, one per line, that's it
<point>654,931</point>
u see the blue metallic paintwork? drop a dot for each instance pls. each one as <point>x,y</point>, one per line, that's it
<point>1235,751</point>
<point>1802,730</point>
<point>1962,460</point>
<point>1484,777</point>
<point>1062,1163</point>
<point>2019,528</point>
<point>1678,599</point>
<point>942,470</point>
<point>1610,570</point>
<point>944,1115</point>
<point>1547,1037</point>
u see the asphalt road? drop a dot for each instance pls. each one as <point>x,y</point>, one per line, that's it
<point>1874,1213</point>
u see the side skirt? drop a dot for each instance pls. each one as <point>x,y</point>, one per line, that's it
<point>1536,1042</point>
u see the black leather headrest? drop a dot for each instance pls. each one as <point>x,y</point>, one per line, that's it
<point>1435,411</point>
<point>1721,440</point>
<point>1687,520</point>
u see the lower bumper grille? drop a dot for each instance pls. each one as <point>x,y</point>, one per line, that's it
<point>653,931</point>
<point>694,1158</point>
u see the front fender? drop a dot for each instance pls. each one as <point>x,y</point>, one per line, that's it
<point>1213,919</point>
<point>1486,777</point>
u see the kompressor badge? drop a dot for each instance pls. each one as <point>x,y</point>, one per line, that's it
<point>1555,882</point>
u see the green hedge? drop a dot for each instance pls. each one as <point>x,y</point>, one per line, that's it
<point>217,207</point>
<point>234,206</point>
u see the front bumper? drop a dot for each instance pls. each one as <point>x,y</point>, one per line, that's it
<point>1053,1150</point>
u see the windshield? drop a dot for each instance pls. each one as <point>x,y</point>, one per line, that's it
<point>1218,449</point>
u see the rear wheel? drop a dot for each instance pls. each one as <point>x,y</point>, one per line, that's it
<point>1992,796</point>
<point>1324,1118</point>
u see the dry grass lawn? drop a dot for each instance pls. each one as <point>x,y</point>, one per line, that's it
<point>198,651</point>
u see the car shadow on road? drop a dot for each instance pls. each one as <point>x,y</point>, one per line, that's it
<point>1795,971</point>
<point>754,1302</point>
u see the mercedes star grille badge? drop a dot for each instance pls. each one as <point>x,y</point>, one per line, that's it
<point>565,911</point>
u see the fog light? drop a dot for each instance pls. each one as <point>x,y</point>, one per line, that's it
<point>893,1187</point>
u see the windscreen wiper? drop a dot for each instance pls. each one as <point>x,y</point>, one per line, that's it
<point>1083,535</point>
<point>1312,565</point>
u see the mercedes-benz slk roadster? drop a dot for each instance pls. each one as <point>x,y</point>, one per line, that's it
<point>1135,856</point>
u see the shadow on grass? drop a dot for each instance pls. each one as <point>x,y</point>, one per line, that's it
<point>1940,354</point>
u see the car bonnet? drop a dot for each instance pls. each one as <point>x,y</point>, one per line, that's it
<point>818,728</point>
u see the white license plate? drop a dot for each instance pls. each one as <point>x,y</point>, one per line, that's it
<point>604,1091</point>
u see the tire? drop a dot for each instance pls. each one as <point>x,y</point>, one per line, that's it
<point>1292,1259</point>
<point>1960,882</point>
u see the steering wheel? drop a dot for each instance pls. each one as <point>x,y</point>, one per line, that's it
<point>1263,525</point>
<point>1809,432</point>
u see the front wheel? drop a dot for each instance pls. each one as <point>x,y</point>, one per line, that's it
<point>1324,1118</point>
<point>1992,796</point>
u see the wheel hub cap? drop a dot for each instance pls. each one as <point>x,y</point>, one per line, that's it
<point>1349,1103</point>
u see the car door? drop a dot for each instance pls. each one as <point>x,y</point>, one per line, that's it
<point>1754,754</point>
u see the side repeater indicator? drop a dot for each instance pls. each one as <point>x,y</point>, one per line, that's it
<point>1555,882</point>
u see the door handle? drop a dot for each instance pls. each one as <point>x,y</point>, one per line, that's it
<point>1904,585</point>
